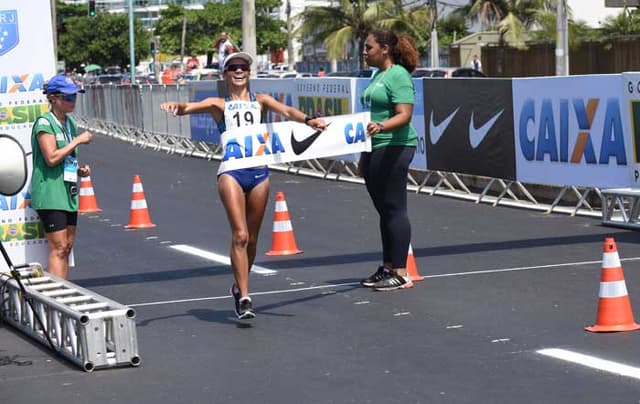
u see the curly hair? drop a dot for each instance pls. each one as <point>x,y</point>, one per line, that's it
<point>402,46</point>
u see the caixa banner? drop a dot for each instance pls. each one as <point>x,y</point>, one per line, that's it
<point>21,102</point>
<point>573,131</point>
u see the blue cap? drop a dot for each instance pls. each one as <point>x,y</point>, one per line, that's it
<point>62,84</point>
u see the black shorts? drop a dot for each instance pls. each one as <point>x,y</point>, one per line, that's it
<point>56,220</point>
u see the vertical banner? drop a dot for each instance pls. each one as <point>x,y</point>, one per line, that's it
<point>573,131</point>
<point>631,88</point>
<point>26,61</point>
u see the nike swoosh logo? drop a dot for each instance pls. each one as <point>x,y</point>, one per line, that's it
<point>436,131</point>
<point>476,136</point>
<point>302,146</point>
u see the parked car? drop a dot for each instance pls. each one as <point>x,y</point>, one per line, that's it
<point>367,72</point>
<point>427,72</point>
<point>446,72</point>
<point>202,74</point>
<point>467,72</point>
<point>338,74</point>
<point>110,79</point>
<point>433,72</point>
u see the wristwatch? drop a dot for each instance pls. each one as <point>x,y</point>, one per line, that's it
<point>308,118</point>
<point>380,126</point>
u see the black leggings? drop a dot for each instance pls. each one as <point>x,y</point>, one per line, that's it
<point>385,173</point>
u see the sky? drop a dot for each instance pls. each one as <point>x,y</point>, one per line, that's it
<point>591,11</point>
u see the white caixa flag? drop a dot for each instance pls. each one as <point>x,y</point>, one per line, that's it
<point>282,142</point>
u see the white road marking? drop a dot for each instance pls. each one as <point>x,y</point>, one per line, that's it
<point>265,271</point>
<point>217,258</point>
<point>493,271</point>
<point>592,362</point>
<point>272,292</point>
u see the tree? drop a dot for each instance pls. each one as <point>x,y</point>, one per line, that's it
<point>624,24</point>
<point>103,39</point>
<point>339,26</point>
<point>413,21</point>
<point>512,18</point>
<point>204,26</point>
<point>578,31</point>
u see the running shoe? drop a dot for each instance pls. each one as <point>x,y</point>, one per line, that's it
<point>235,293</point>
<point>393,282</point>
<point>376,277</point>
<point>245,309</point>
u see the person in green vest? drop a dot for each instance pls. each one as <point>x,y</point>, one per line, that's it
<point>54,180</point>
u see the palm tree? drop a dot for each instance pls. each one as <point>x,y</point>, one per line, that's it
<point>351,20</point>
<point>625,23</point>
<point>511,17</point>
<point>414,21</point>
<point>488,12</point>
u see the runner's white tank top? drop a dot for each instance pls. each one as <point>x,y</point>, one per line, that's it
<point>239,113</point>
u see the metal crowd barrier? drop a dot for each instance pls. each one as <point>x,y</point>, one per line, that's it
<point>132,114</point>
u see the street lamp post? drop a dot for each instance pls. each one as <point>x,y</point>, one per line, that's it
<point>249,44</point>
<point>562,41</point>
<point>132,55</point>
<point>435,57</point>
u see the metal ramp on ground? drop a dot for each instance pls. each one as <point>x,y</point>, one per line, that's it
<point>86,328</point>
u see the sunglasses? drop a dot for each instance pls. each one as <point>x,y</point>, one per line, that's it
<point>68,97</point>
<point>232,68</point>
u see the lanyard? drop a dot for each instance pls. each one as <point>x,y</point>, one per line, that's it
<point>66,129</point>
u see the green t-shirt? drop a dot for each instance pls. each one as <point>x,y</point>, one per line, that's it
<point>48,188</point>
<point>386,89</point>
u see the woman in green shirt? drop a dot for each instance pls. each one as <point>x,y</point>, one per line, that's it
<point>390,97</point>
<point>54,181</point>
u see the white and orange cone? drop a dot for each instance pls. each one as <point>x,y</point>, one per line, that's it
<point>87,202</point>
<point>139,214</point>
<point>412,268</point>
<point>283,241</point>
<point>614,307</point>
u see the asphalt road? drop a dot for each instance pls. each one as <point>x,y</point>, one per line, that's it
<point>501,285</point>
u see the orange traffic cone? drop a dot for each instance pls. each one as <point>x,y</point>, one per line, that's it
<point>412,268</point>
<point>139,215</point>
<point>283,241</point>
<point>614,307</point>
<point>87,199</point>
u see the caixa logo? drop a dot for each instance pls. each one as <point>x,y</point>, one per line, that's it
<point>21,83</point>
<point>550,139</point>
<point>9,37</point>
<point>265,143</point>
